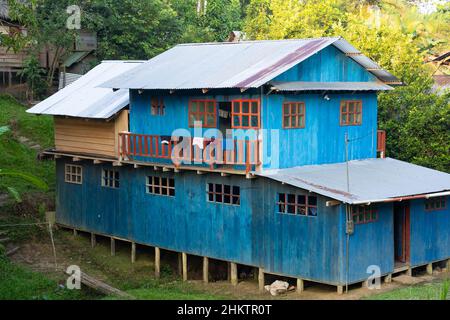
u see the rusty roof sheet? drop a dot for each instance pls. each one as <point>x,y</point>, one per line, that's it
<point>371,180</point>
<point>245,64</point>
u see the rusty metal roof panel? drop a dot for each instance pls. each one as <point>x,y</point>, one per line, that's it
<point>83,98</point>
<point>245,64</point>
<point>329,86</point>
<point>370,180</point>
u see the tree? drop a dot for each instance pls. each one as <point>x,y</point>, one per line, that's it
<point>131,29</point>
<point>394,35</point>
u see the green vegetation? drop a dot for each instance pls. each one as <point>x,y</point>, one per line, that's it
<point>395,35</point>
<point>18,156</point>
<point>19,283</point>
<point>428,291</point>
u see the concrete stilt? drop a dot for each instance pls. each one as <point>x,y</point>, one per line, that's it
<point>430,268</point>
<point>409,272</point>
<point>133,252</point>
<point>261,279</point>
<point>388,278</point>
<point>113,247</point>
<point>300,285</point>
<point>205,269</point>
<point>93,240</point>
<point>340,290</point>
<point>185,268</point>
<point>234,274</point>
<point>75,233</point>
<point>157,263</point>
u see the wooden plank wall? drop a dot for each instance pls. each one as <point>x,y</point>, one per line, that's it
<point>97,137</point>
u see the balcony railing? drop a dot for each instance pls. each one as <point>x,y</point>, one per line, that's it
<point>241,154</point>
<point>381,143</point>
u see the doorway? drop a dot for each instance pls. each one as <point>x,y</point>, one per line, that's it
<point>224,118</point>
<point>401,233</point>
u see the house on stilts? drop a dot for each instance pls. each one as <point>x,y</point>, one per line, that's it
<point>258,153</point>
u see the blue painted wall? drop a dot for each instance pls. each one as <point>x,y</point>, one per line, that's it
<point>327,65</point>
<point>322,139</point>
<point>253,233</point>
<point>371,244</point>
<point>430,233</point>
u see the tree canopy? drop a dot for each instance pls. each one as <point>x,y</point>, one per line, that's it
<point>392,32</point>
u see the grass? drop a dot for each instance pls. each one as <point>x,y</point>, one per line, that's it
<point>428,291</point>
<point>19,157</point>
<point>19,283</point>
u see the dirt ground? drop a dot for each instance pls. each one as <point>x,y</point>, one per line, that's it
<point>120,272</point>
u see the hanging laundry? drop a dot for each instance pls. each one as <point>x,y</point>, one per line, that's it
<point>224,114</point>
<point>165,139</point>
<point>199,142</point>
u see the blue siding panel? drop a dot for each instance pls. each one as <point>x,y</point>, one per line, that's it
<point>430,233</point>
<point>328,65</point>
<point>372,244</point>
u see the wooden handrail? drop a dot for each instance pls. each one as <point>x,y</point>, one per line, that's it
<point>381,143</point>
<point>242,153</point>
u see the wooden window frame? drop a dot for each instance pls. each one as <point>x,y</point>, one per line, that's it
<point>220,196</point>
<point>435,200</point>
<point>71,176</point>
<point>248,114</point>
<point>362,210</point>
<point>154,185</point>
<point>345,104</point>
<point>110,178</point>
<point>157,106</point>
<point>300,113</point>
<point>296,204</point>
<point>202,114</point>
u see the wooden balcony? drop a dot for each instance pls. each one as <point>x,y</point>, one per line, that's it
<point>381,143</point>
<point>242,155</point>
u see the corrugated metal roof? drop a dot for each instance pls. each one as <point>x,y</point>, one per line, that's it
<point>83,98</point>
<point>75,57</point>
<point>371,180</point>
<point>245,64</point>
<point>66,78</point>
<point>330,86</point>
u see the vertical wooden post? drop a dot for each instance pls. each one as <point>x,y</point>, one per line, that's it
<point>447,265</point>
<point>261,279</point>
<point>157,263</point>
<point>430,269</point>
<point>185,268</point>
<point>93,240</point>
<point>113,247</point>
<point>388,278</point>
<point>75,233</point>
<point>234,274</point>
<point>133,252</point>
<point>340,290</point>
<point>205,269</point>
<point>300,285</point>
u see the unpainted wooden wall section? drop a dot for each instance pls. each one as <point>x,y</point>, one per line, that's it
<point>95,137</point>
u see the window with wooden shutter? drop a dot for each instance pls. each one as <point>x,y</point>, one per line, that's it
<point>245,114</point>
<point>157,106</point>
<point>351,112</point>
<point>203,111</point>
<point>293,115</point>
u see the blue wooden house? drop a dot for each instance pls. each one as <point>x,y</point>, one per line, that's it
<point>258,153</point>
